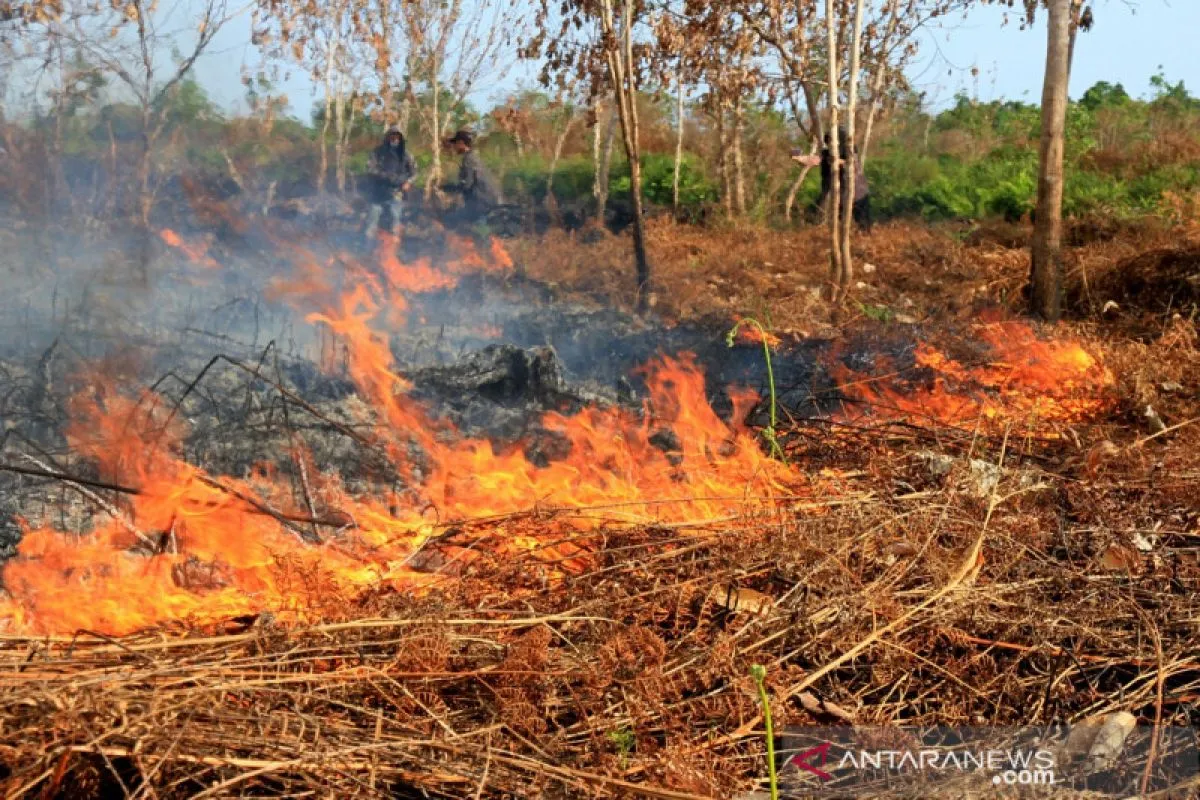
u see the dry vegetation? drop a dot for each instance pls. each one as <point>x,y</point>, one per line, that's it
<point>991,572</point>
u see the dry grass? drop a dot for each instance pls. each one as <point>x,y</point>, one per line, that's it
<point>923,272</point>
<point>1065,590</point>
<point>929,605</point>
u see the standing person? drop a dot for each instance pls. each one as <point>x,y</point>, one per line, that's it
<point>479,188</point>
<point>390,173</point>
<point>861,208</point>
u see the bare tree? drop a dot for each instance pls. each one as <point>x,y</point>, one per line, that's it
<point>594,44</point>
<point>135,58</point>
<point>711,45</point>
<point>835,183</point>
<point>125,45</point>
<point>1046,275</point>
<point>844,271</point>
<point>454,47</point>
<point>617,26</point>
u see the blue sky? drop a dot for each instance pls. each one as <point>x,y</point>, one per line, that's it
<point>1129,42</point>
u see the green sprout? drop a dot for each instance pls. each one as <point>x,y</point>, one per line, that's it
<point>624,741</point>
<point>759,673</point>
<point>770,432</point>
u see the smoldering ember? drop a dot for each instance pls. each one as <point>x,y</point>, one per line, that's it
<point>669,430</point>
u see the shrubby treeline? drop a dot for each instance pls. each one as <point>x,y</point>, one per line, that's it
<point>973,160</point>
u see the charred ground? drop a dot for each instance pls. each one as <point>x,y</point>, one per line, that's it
<point>1057,555</point>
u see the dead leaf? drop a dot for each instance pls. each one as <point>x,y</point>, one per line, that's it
<point>1099,455</point>
<point>1118,558</point>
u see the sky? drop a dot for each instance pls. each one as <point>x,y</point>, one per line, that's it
<point>1130,40</point>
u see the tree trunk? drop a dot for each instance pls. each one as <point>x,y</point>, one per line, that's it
<point>620,66</point>
<point>551,202</point>
<point>847,220</point>
<point>595,154</point>
<point>602,179</point>
<point>835,184</point>
<point>435,140</point>
<point>323,168</point>
<point>678,140</point>
<point>723,159</point>
<point>352,112</point>
<point>339,146</point>
<point>1046,275</point>
<point>739,176</point>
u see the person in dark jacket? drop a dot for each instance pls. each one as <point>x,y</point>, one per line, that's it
<point>861,209</point>
<point>479,188</point>
<point>391,171</point>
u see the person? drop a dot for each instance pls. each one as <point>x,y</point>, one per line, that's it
<point>479,188</point>
<point>391,171</point>
<point>861,208</point>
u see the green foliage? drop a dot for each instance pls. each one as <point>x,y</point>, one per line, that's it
<point>1105,95</point>
<point>970,161</point>
<point>624,741</point>
<point>658,176</point>
<point>877,313</point>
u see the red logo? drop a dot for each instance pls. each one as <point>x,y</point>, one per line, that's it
<point>805,760</point>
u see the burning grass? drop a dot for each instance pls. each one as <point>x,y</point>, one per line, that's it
<point>974,534</point>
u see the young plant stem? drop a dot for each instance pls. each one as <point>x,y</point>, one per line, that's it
<point>759,673</point>
<point>770,433</point>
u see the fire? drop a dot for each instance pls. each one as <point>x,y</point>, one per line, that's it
<point>192,548</point>
<point>1023,379</point>
<point>197,252</point>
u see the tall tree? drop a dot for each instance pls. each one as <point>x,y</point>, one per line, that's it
<point>1046,276</point>
<point>617,25</point>
<point>594,44</point>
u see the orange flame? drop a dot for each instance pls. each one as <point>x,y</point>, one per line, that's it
<point>197,252</point>
<point>190,548</point>
<point>1025,379</point>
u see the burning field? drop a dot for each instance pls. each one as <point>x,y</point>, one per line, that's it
<point>298,522</point>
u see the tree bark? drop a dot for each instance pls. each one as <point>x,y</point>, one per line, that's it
<point>1046,274</point>
<point>835,184</point>
<point>678,139</point>
<point>739,172</point>
<point>847,220</point>
<point>620,69</point>
<point>602,177</point>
